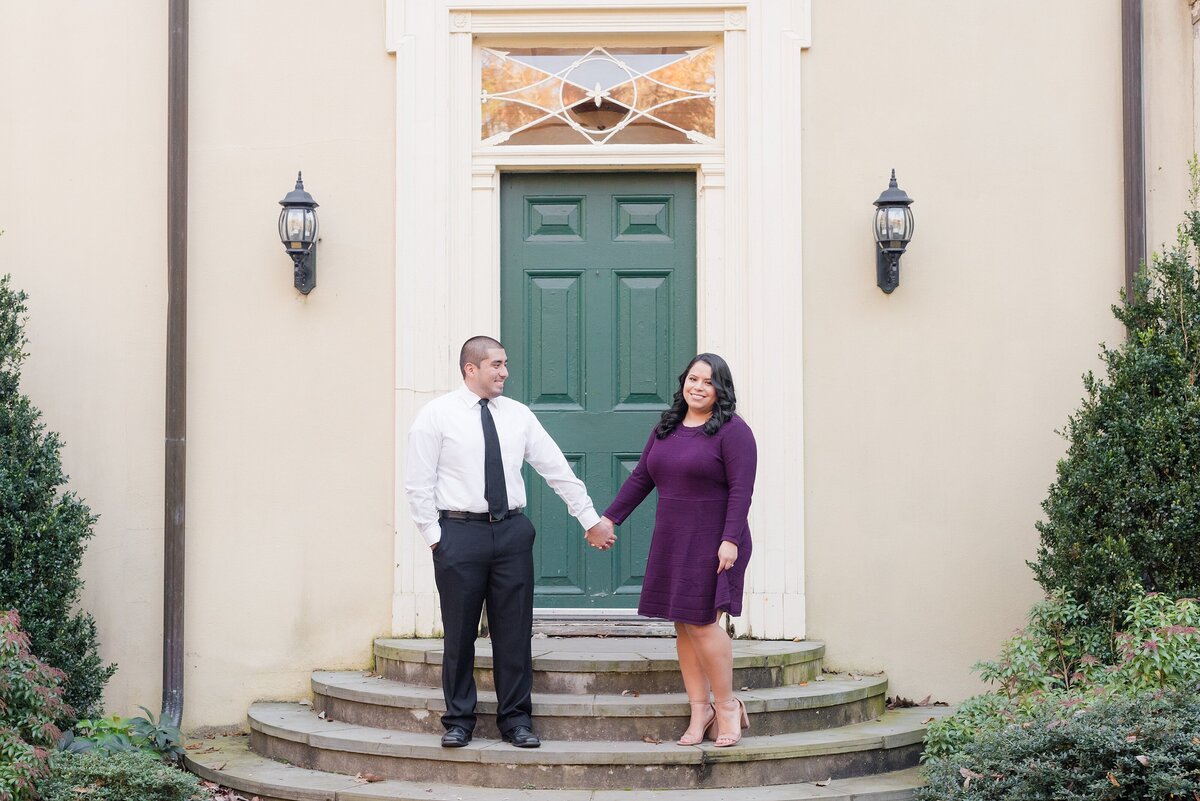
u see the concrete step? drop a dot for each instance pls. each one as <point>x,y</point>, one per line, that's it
<point>296,734</point>
<point>825,702</point>
<point>230,762</point>
<point>610,665</point>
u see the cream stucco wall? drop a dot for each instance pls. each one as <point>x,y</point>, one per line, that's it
<point>82,160</point>
<point>289,540</point>
<point>931,413</point>
<point>928,416</point>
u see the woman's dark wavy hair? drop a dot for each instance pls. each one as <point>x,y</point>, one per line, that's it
<point>723,409</point>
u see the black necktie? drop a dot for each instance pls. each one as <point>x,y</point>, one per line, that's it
<point>494,488</point>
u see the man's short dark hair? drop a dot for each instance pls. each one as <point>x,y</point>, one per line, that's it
<point>475,351</point>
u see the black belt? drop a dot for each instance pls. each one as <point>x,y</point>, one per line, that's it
<point>482,517</point>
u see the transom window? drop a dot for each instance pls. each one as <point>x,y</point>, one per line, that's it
<point>598,95</point>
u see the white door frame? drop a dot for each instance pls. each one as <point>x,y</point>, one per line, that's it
<point>748,248</point>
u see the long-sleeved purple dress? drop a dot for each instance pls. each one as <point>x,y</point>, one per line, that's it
<point>704,486</point>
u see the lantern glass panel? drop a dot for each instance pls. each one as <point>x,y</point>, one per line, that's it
<point>893,226</point>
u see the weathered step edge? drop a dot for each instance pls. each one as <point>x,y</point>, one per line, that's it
<point>642,665</point>
<point>294,734</point>
<point>377,702</point>
<point>230,762</point>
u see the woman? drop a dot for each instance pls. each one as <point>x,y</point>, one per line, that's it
<point>702,458</point>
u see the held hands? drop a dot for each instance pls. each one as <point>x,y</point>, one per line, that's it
<point>727,556</point>
<point>601,536</point>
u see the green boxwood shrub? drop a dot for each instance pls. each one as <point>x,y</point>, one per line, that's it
<point>42,528</point>
<point>121,776</point>
<point>30,702</point>
<point>1124,511</point>
<point>1145,746</point>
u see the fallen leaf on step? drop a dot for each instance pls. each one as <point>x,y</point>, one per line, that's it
<point>797,639</point>
<point>306,702</point>
<point>1113,779</point>
<point>927,721</point>
<point>634,693</point>
<point>853,677</point>
<point>744,689</point>
<point>368,777</point>
<point>192,747</point>
<point>321,715</point>
<point>651,740</point>
<point>803,683</point>
<point>1145,760</point>
<point>541,635</point>
<point>824,783</point>
<point>924,701</point>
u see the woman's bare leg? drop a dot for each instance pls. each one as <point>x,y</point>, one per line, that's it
<point>696,684</point>
<point>714,651</point>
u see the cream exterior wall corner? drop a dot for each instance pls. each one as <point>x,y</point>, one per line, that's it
<point>1195,76</point>
<point>1169,102</point>
<point>438,308</point>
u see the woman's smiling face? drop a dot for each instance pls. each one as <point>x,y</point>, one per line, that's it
<point>698,389</point>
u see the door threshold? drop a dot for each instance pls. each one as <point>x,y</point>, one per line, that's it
<point>598,623</point>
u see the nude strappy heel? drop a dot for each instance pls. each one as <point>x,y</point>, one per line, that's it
<point>685,740</point>
<point>726,740</point>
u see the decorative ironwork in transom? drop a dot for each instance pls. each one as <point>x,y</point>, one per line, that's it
<point>601,95</point>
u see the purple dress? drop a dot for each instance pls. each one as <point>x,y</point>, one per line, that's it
<point>704,486</point>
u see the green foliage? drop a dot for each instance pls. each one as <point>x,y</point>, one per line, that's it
<point>122,776</point>
<point>1124,510</point>
<point>42,528</point>
<point>116,733</point>
<point>1145,746</point>
<point>1050,667</point>
<point>30,702</point>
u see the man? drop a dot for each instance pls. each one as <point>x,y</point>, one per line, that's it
<point>466,493</point>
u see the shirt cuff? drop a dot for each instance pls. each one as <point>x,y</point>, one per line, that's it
<point>588,518</point>
<point>432,533</point>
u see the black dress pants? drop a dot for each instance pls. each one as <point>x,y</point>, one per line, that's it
<point>477,562</point>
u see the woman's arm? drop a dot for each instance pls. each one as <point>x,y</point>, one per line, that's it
<point>634,490</point>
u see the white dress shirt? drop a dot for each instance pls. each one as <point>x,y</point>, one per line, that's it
<point>445,460</point>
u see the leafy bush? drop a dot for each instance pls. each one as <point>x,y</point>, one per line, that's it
<point>121,776</point>
<point>42,529</point>
<point>1124,509</point>
<point>1050,667</point>
<point>30,702</point>
<point>1142,747</point>
<point>116,733</point>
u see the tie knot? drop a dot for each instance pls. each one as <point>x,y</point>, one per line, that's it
<point>483,402</point>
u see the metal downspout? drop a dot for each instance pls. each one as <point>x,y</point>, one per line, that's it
<point>176,383</point>
<point>1134,138</point>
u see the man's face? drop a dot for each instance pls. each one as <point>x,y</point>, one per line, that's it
<point>486,379</point>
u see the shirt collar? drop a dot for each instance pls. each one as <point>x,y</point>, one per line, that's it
<point>469,398</point>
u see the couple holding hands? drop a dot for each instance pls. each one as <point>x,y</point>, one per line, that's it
<point>466,494</point>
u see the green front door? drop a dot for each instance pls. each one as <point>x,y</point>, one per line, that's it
<point>598,309</point>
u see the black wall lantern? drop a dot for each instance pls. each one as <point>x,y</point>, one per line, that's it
<point>298,232</point>
<point>893,232</point>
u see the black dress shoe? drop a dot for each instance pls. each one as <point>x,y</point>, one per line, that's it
<point>455,737</point>
<point>522,737</point>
